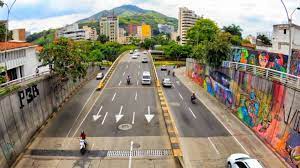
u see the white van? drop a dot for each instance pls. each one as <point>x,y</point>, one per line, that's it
<point>146,79</point>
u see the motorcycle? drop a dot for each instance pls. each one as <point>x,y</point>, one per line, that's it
<point>193,99</point>
<point>83,145</point>
<point>173,74</point>
<point>128,81</point>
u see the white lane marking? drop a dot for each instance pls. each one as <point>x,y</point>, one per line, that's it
<point>213,145</point>
<point>97,116</point>
<point>133,115</point>
<point>224,126</point>
<point>123,73</point>
<point>127,66</point>
<point>120,83</point>
<point>78,116</point>
<point>92,147</point>
<point>114,97</point>
<point>139,73</point>
<point>130,155</point>
<point>104,118</point>
<point>180,95</point>
<point>135,97</point>
<point>192,112</point>
<point>137,82</point>
<point>139,65</point>
<point>120,115</point>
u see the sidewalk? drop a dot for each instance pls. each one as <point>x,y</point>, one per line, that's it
<point>245,138</point>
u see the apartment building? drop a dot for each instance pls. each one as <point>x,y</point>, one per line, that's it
<point>90,33</point>
<point>144,31</point>
<point>164,28</point>
<point>186,19</point>
<point>71,31</point>
<point>109,26</point>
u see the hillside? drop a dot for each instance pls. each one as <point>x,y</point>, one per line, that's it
<point>42,38</point>
<point>132,14</point>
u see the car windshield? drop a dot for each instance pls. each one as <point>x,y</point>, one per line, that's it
<point>146,77</point>
<point>167,80</point>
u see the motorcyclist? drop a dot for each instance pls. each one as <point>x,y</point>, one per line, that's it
<point>173,73</point>
<point>82,135</point>
<point>128,79</point>
<point>169,72</point>
<point>193,97</point>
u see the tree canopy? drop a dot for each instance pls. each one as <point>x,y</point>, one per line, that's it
<point>264,39</point>
<point>234,30</point>
<point>204,30</point>
<point>103,38</point>
<point>210,45</point>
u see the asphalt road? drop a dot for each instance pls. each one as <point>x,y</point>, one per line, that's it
<point>192,120</point>
<point>117,104</point>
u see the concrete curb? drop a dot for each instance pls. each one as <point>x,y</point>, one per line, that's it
<point>169,121</point>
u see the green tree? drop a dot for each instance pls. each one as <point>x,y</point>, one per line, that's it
<point>233,29</point>
<point>178,38</point>
<point>103,38</point>
<point>235,40</point>
<point>65,59</point>
<point>135,41</point>
<point>3,32</point>
<point>264,39</point>
<point>204,30</point>
<point>200,52</point>
<point>149,43</point>
<point>176,51</point>
<point>96,56</point>
<point>218,50</point>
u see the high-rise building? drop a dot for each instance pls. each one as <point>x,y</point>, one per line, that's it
<point>144,31</point>
<point>109,26</point>
<point>132,29</point>
<point>186,19</point>
<point>19,35</point>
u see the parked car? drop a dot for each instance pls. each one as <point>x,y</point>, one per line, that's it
<point>166,82</point>
<point>145,60</point>
<point>131,52</point>
<point>163,68</point>
<point>99,76</point>
<point>136,50</point>
<point>145,52</point>
<point>240,160</point>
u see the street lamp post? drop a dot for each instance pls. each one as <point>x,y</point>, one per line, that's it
<point>290,34</point>
<point>6,34</point>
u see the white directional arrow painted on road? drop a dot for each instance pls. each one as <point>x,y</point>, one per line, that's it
<point>149,116</point>
<point>97,116</point>
<point>120,115</point>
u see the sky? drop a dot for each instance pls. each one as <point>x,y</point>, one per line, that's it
<point>252,15</point>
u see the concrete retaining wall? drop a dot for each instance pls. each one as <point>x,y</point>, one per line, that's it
<point>24,111</point>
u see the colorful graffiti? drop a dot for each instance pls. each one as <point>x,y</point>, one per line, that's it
<point>295,63</point>
<point>270,109</point>
<point>264,59</point>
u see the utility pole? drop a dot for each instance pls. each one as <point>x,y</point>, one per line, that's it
<point>6,34</point>
<point>290,23</point>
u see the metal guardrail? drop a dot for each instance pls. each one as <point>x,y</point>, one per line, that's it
<point>25,79</point>
<point>288,80</point>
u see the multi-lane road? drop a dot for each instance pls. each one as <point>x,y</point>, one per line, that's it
<point>125,127</point>
<point>118,119</point>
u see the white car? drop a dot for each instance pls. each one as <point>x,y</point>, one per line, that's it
<point>166,82</point>
<point>134,56</point>
<point>145,52</point>
<point>131,52</point>
<point>145,60</point>
<point>99,76</point>
<point>136,50</point>
<point>240,160</point>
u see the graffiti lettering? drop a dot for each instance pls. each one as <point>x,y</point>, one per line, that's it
<point>29,94</point>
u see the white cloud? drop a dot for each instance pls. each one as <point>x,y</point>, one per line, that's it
<point>36,25</point>
<point>252,15</point>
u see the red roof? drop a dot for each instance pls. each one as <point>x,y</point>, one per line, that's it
<point>14,45</point>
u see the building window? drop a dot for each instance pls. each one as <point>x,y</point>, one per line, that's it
<point>284,31</point>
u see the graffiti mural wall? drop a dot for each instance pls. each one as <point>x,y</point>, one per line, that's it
<point>295,63</point>
<point>264,59</point>
<point>270,109</point>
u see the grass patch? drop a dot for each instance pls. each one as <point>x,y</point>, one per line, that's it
<point>169,63</point>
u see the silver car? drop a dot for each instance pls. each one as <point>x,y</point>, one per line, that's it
<point>99,76</point>
<point>166,82</point>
